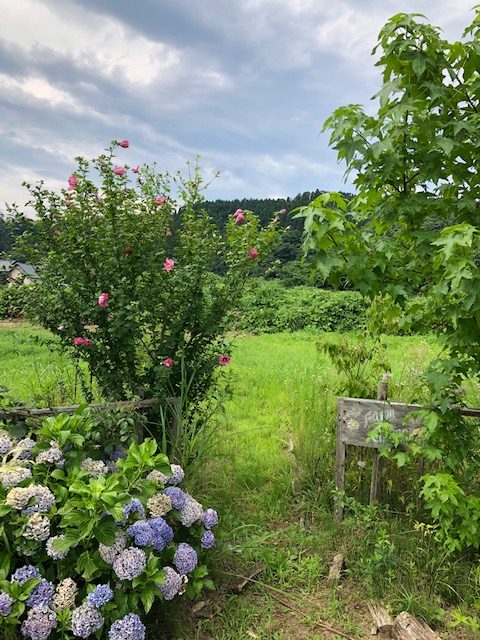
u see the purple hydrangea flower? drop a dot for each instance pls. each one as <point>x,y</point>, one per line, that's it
<point>130,563</point>
<point>141,533</point>
<point>118,453</point>
<point>39,624</point>
<point>130,627</point>
<point>86,621</point>
<point>162,532</point>
<point>210,518</point>
<point>191,512</point>
<point>178,474</point>
<point>42,594</point>
<point>25,448</point>
<point>100,596</point>
<point>134,506</point>
<point>27,572</point>
<point>177,496</point>
<point>185,558</point>
<point>207,540</point>
<point>172,583</point>
<point>6,604</point>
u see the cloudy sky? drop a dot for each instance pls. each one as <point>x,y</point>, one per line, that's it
<point>246,84</point>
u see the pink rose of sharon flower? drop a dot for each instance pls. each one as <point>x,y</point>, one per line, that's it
<point>224,360</point>
<point>160,200</point>
<point>253,253</point>
<point>82,342</point>
<point>136,169</point>
<point>124,143</point>
<point>103,300</point>
<point>72,181</point>
<point>168,362</point>
<point>239,216</point>
<point>119,171</point>
<point>282,211</point>
<point>169,264</point>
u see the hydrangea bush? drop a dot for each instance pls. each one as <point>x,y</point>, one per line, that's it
<point>89,543</point>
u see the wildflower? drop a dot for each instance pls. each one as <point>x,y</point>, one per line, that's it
<point>185,558</point>
<point>160,200</point>
<point>42,594</point>
<point>72,181</point>
<point>253,253</point>
<point>86,621</point>
<point>6,603</point>
<point>210,518</point>
<point>177,496</point>
<point>159,504</point>
<point>134,506</point>
<point>39,623</point>
<point>103,300</point>
<point>108,554</point>
<point>119,171</point>
<point>207,540</point>
<point>130,627</point>
<point>25,573</point>
<point>136,169</point>
<point>130,563</point>
<point>141,533</point>
<point>168,362</point>
<point>99,596</point>
<point>52,552</point>
<point>37,528</point>
<point>168,264</point>
<point>64,597</point>
<point>124,143</point>
<point>94,468</point>
<point>224,360</point>
<point>191,512</point>
<point>171,584</point>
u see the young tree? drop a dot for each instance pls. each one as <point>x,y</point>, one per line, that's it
<point>413,227</point>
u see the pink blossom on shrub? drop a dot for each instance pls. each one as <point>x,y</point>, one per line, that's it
<point>160,200</point>
<point>169,264</point>
<point>72,181</point>
<point>282,211</point>
<point>103,300</point>
<point>128,250</point>
<point>168,362</point>
<point>136,169</point>
<point>119,171</point>
<point>124,143</point>
<point>239,216</point>
<point>224,360</point>
<point>82,342</point>
<point>253,253</point>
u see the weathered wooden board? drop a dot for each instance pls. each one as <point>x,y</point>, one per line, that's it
<point>357,417</point>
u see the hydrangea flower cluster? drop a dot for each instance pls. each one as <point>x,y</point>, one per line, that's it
<point>108,554</point>
<point>100,596</point>
<point>6,604</point>
<point>177,497</point>
<point>94,468</point>
<point>32,499</point>
<point>159,505</point>
<point>130,563</point>
<point>172,583</point>
<point>52,552</point>
<point>53,455</point>
<point>39,624</point>
<point>185,558</point>
<point>37,528</point>
<point>130,627</point>
<point>86,621</point>
<point>42,594</point>
<point>133,507</point>
<point>65,595</point>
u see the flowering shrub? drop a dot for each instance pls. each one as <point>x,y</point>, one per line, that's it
<point>129,266</point>
<point>90,543</point>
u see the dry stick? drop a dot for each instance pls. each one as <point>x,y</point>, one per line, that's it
<point>322,625</point>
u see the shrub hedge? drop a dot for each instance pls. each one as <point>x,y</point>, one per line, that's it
<point>15,301</point>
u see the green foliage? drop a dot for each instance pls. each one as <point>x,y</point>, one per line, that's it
<point>158,316</point>
<point>16,302</point>
<point>413,228</point>
<point>270,307</point>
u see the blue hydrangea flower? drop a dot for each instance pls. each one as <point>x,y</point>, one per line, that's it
<point>130,563</point>
<point>118,453</point>
<point>185,558</point>
<point>39,624</point>
<point>86,621</point>
<point>171,584</point>
<point>100,596</point>
<point>162,533</point>
<point>178,474</point>
<point>209,518</point>
<point>130,627</point>
<point>177,496</point>
<point>27,572</point>
<point>42,594</point>
<point>134,506</point>
<point>141,533</point>
<point>6,604</point>
<point>207,540</point>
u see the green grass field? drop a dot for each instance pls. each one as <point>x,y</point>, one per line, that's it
<point>270,474</point>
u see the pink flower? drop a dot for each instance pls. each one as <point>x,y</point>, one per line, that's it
<point>224,360</point>
<point>99,196</point>
<point>72,181</point>
<point>238,212</point>
<point>124,143</point>
<point>168,233</point>
<point>168,362</point>
<point>119,171</point>
<point>136,169</point>
<point>160,200</point>
<point>103,300</point>
<point>239,216</point>
<point>253,253</point>
<point>82,342</point>
<point>276,219</point>
<point>169,264</point>
<point>128,250</point>
<point>282,211</point>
